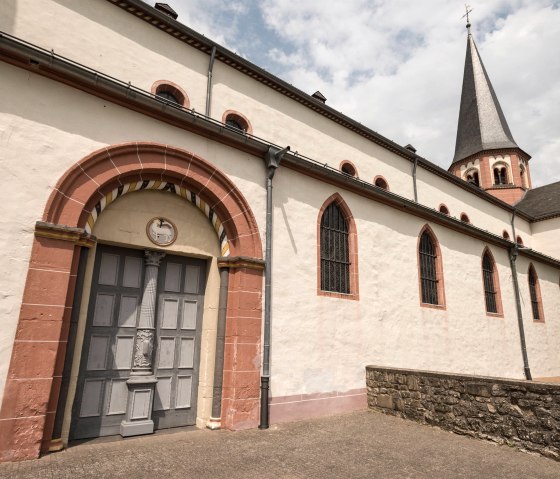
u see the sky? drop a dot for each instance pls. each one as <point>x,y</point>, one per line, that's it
<point>396,66</point>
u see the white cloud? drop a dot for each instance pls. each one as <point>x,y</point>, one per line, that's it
<point>397,65</point>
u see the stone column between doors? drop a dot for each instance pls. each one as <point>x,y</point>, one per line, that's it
<point>142,381</point>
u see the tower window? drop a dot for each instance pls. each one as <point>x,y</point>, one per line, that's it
<point>505,234</point>
<point>465,218</point>
<point>335,254</point>
<point>501,175</point>
<point>430,270</point>
<point>523,173</point>
<point>472,177</point>
<point>519,240</point>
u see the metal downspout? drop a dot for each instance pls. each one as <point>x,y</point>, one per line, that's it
<point>215,420</point>
<point>272,160</point>
<point>209,83</point>
<point>513,253</point>
<point>414,179</point>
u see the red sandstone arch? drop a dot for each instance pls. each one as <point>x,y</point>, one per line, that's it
<point>35,373</point>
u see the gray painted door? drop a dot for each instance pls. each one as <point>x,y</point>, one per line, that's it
<point>179,316</point>
<point>116,297</point>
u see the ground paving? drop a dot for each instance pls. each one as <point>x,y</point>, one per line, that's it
<point>363,444</point>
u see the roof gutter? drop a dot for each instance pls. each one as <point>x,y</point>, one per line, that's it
<point>194,39</point>
<point>42,62</point>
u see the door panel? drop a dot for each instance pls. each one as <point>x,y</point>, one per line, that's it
<point>179,317</point>
<point>101,394</point>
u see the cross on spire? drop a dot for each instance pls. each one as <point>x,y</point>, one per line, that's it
<point>468,10</point>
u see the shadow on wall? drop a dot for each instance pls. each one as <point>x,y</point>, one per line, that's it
<point>8,16</point>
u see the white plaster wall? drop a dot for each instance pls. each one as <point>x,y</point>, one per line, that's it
<point>275,117</point>
<point>542,338</point>
<point>40,140</point>
<point>106,38</point>
<point>322,344</point>
<point>546,236</point>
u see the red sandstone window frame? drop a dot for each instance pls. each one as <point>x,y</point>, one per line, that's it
<point>166,86</point>
<point>496,280</point>
<point>439,270</point>
<point>381,178</point>
<point>348,164</point>
<point>532,271</point>
<point>352,250</point>
<point>239,118</point>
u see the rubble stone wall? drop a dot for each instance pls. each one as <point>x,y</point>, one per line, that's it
<point>522,414</point>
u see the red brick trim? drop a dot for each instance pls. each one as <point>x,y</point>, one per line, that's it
<point>169,87</point>
<point>442,208</point>
<point>382,179</point>
<point>34,376</point>
<point>352,248</point>
<point>439,270</point>
<point>496,279</point>
<point>537,292</point>
<point>239,117</point>
<point>305,406</point>
<point>350,167</point>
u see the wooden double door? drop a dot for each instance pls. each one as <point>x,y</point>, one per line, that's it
<point>114,309</point>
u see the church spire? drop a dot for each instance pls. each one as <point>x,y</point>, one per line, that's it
<point>482,124</point>
<point>485,152</point>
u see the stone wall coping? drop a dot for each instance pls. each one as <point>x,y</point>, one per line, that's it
<point>466,377</point>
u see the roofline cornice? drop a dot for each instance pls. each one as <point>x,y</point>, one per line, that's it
<point>194,39</point>
<point>42,62</point>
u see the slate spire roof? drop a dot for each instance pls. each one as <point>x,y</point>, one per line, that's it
<point>482,124</point>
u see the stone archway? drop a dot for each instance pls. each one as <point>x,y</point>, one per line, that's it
<point>35,373</point>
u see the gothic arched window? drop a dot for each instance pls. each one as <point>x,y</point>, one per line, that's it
<point>491,284</point>
<point>430,270</point>
<point>335,253</point>
<point>535,293</point>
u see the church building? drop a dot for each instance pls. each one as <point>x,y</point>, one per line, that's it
<point>188,240</point>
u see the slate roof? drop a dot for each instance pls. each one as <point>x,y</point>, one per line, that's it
<point>542,202</point>
<point>482,124</point>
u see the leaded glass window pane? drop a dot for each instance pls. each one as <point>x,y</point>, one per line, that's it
<point>335,254</point>
<point>428,270</point>
<point>533,293</point>
<point>489,287</point>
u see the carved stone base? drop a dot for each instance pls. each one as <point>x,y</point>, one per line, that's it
<point>139,406</point>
